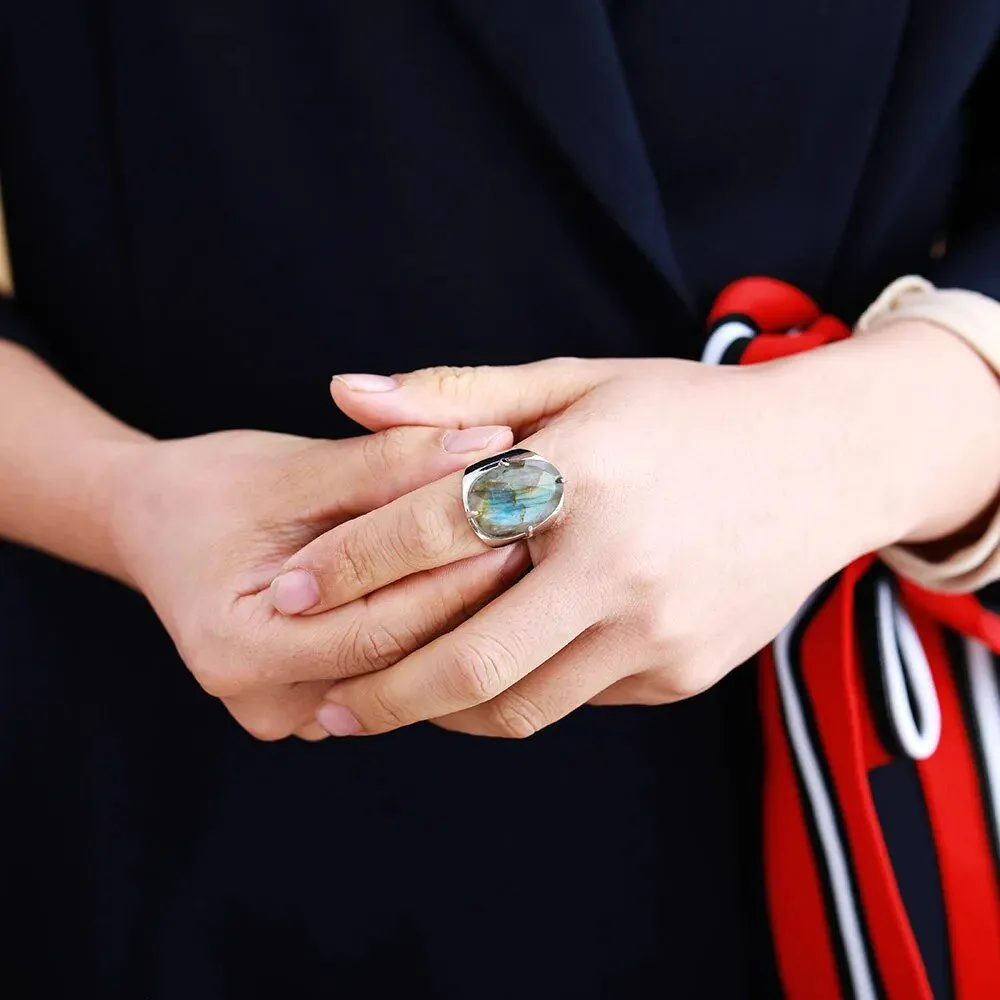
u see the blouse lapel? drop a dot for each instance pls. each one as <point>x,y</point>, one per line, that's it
<point>559,57</point>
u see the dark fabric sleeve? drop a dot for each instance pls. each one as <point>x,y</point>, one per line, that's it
<point>973,255</point>
<point>13,326</point>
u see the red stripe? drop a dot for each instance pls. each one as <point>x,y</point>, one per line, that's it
<point>833,676</point>
<point>968,877</point>
<point>806,962</point>
<point>962,613</point>
<point>873,751</point>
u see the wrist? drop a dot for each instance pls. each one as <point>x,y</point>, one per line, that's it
<point>901,433</point>
<point>60,462</point>
<point>113,467</point>
<point>818,464</point>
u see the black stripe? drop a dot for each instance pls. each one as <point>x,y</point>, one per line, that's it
<point>955,645</point>
<point>866,629</point>
<point>906,828</point>
<point>795,661</point>
<point>989,597</point>
<point>733,354</point>
<point>900,804</point>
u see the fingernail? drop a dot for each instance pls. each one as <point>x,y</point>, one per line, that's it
<point>367,383</point>
<point>337,720</point>
<point>294,592</point>
<point>471,439</point>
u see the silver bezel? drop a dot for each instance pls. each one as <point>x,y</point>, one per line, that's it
<point>473,472</point>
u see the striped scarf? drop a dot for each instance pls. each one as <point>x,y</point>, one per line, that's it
<point>880,704</point>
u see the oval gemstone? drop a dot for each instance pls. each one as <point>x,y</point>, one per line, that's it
<point>509,499</point>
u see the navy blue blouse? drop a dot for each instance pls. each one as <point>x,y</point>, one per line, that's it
<point>214,205</point>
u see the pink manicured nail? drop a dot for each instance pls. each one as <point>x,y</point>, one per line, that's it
<point>367,383</point>
<point>471,439</point>
<point>294,592</point>
<point>337,720</point>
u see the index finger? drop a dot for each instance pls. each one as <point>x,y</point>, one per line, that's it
<point>419,531</point>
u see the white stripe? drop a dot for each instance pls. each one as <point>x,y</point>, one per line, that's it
<point>985,690</point>
<point>722,338</point>
<point>823,815</point>
<point>902,657</point>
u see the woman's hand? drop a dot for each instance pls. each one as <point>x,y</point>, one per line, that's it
<point>689,536</point>
<point>202,525</point>
<point>702,506</point>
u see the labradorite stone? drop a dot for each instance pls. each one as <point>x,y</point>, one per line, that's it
<point>510,499</point>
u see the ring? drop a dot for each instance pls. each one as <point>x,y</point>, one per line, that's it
<point>511,496</point>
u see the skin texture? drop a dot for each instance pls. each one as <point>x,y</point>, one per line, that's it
<point>201,526</point>
<point>702,507</point>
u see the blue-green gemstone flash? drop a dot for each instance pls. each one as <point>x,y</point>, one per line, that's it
<point>510,499</point>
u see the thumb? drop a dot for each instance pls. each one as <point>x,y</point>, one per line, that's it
<point>515,395</point>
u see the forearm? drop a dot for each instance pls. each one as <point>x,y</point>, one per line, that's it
<point>904,427</point>
<point>59,458</point>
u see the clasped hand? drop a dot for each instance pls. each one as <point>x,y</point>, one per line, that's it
<point>689,537</point>
<point>336,586</point>
<point>203,525</point>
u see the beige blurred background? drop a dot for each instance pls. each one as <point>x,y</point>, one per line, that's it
<point>5,278</point>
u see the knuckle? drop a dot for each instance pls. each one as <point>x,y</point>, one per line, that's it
<point>659,631</point>
<point>444,609</point>
<point>516,717</point>
<point>677,626</point>
<point>448,380</point>
<point>664,623</point>
<point>269,731</point>
<point>352,566</point>
<point>682,681</point>
<point>677,678</point>
<point>226,653</point>
<point>214,681</point>
<point>389,715</point>
<point>374,645</point>
<point>267,726</point>
<point>483,668</point>
<point>650,688</point>
<point>427,533</point>
<point>636,574</point>
<point>383,450</point>
<point>210,659</point>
